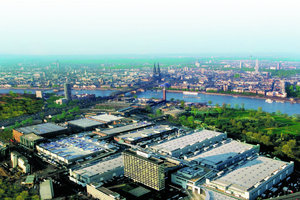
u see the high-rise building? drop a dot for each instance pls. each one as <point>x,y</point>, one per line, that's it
<point>68,91</point>
<point>164,94</point>
<point>241,64</point>
<point>144,168</point>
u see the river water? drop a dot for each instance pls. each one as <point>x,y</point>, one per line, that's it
<point>249,103</point>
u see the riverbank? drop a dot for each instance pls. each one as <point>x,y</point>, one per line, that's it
<point>277,99</point>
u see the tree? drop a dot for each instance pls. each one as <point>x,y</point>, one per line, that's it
<point>242,106</point>
<point>182,104</point>
<point>259,109</point>
<point>209,102</point>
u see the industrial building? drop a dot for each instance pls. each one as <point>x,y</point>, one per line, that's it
<point>144,168</point>
<point>123,129</point>
<point>145,134</point>
<point>30,140</point>
<point>189,177</point>
<point>69,149</point>
<point>46,189</point>
<point>189,143</point>
<point>46,130</point>
<point>106,118</point>
<point>98,172</point>
<point>102,193</point>
<point>83,124</point>
<point>225,155</point>
<point>252,178</point>
<point>18,160</point>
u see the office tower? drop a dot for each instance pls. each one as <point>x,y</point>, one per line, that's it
<point>164,94</point>
<point>256,66</point>
<point>67,90</point>
<point>241,64</point>
<point>144,168</point>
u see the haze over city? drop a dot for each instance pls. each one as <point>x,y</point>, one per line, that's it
<point>213,27</point>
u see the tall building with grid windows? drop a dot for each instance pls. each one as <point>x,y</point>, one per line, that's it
<point>144,168</point>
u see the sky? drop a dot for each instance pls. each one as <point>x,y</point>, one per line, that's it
<point>72,27</point>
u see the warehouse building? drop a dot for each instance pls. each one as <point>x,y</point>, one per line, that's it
<point>196,141</point>
<point>149,133</point>
<point>102,193</point>
<point>98,172</point>
<point>46,189</point>
<point>190,177</point>
<point>70,149</point>
<point>225,155</point>
<point>106,118</point>
<point>123,129</point>
<point>47,130</point>
<point>251,179</point>
<point>84,124</point>
<point>144,168</point>
<point>30,140</point>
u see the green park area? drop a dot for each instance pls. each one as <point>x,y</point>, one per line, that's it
<point>278,134</point>
<point>14,105</point>
<point>13,191</point>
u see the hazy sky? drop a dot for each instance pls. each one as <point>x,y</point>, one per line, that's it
<point>149,26</point>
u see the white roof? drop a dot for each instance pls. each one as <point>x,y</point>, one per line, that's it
<point>251,173</point>
<point>223,152</point>
<point>106,118</point>
<point>144,133</point>
<point>101,167</point>
<point>184,141</point>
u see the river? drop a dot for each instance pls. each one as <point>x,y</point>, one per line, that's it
<point>249,103</point>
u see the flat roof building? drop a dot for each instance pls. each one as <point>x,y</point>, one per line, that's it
<point>145,134</point>
<point>69,149</point>
<point>189,143</point>
<point>106,118</point>
<point>224,155</point>
<point>46,190</point>
<point>47,130</point>
<point>103,193</point>
<point>98,172</point>
<point>144,168</point>
<point>84,124</point>
<point>123,129</point>
<point>30,140</point>
<point>189,177</point>
<point>253,178</point>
